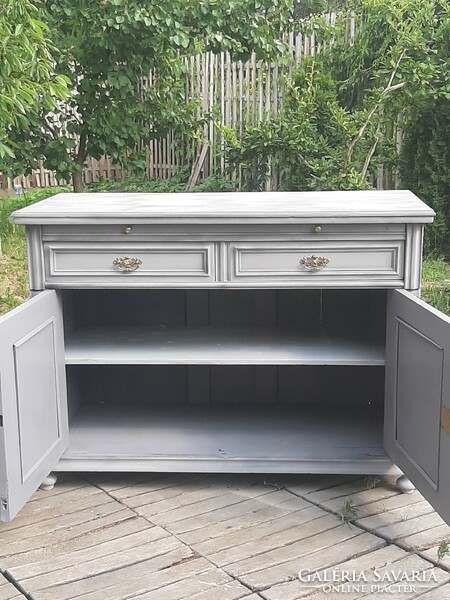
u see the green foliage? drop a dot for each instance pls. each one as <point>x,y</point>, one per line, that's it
<point>425,166</point>
<point>215,183</point>
<point>342,104</point>
<point>107,47</point>
<point>307,141</point>
<point>422,31</point>
<point>139,184</point>
<point>27,80</point>
<point>176,183</point>
<point>305,8</point>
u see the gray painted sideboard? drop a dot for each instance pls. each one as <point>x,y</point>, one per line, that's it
<point>244,332</point>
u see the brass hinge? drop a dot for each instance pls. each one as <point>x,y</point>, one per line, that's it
<point>4,503</point>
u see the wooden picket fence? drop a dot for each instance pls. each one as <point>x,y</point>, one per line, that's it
<point>231,94</point>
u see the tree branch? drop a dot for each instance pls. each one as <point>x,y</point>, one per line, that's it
<point>386,90</point>
<point>392,88</point>
<point>307,164</point>
<point>81,154</point>
<point>51,128</point>
<point>371,152</point>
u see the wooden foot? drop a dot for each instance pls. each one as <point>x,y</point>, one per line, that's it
<point>49,482</point>
<point>404,485</point>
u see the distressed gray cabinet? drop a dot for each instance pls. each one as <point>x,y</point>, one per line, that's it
<point>264,332</point>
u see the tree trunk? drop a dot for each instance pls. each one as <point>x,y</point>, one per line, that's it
<point>77,181</point>
<point>77,176</point>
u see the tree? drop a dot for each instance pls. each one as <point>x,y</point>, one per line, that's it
<point>342,103</point>
<point>27,78</point>
<point>107,46</point>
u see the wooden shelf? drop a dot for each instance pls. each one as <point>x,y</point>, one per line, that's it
<point>218,346</point>
<point>228,437</point>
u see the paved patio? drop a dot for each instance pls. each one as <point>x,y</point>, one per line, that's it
<point>215,537</point>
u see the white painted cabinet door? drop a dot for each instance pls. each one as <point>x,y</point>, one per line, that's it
<point>417,425</point>
<point>33,405</point>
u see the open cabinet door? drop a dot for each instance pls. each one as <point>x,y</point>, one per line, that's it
<point>417,425</point>
<point>33,406</point>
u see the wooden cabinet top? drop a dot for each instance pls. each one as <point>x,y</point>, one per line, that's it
<point>395,206</point>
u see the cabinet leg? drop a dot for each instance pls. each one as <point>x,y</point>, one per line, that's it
<point>404,485</point>
<point>49,482</point>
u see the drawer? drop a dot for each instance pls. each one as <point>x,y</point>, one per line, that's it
<point>326,263</point>
<point>99,264</point>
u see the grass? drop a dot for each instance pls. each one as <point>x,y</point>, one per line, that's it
<point>372,482</point>
<point>436,270</point>
<point>436,283</point>
<point>349,511</point>
<point>13,261</point>
<point>443,551</point>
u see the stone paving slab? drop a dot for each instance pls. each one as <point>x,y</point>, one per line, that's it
<point>217,537</point>
<point>8,591</point>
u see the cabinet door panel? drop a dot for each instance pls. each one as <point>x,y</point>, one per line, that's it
<point>417,427</point>
<point>34,427</point>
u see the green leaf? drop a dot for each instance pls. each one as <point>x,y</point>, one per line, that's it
<point>6,151</point>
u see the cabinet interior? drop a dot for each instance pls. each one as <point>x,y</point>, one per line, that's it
<point>225,326</point>
<point>250,379</point>
<point>310,310</point>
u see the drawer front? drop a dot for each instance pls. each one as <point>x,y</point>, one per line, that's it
<point>97,264</point>
<point>323,262</point>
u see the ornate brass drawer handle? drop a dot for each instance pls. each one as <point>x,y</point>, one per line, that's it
<point>314,263</point>
<point>127,264</point>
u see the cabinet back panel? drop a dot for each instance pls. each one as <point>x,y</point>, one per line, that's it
<point>336,385</point>
<point>127,385</point>
<point>125,308</point>
<point>344,312</point>
<point>307,311</point>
